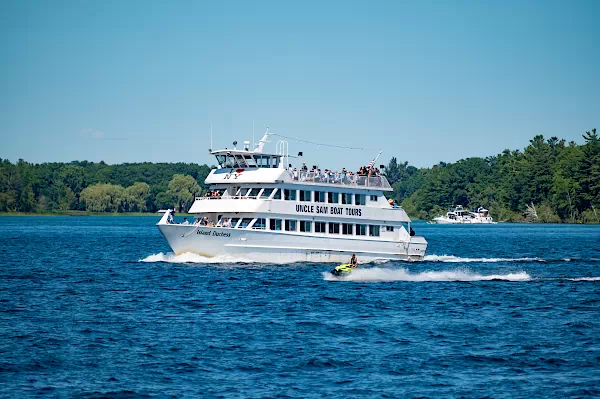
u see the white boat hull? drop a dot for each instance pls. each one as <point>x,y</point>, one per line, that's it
<point>283,247</point>
<point>443,220</point>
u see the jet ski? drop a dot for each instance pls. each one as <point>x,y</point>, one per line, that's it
<point>342,270</point>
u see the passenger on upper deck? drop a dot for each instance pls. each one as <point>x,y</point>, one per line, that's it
<point>295,174</point>
<point>304,168</point>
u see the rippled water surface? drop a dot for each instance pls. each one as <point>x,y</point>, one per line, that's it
<point>98,307</point>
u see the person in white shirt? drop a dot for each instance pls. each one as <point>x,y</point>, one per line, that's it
<point>185,221</point>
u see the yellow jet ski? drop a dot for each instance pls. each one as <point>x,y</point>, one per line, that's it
<point>342,270</point>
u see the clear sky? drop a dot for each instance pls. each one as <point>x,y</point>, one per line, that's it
<point>128,81</point>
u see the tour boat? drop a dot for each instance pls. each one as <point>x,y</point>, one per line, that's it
<point>458,215</point>
<point>261,209</point>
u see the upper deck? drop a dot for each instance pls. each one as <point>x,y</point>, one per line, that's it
<point>247,166</point>
<point>302,178</point>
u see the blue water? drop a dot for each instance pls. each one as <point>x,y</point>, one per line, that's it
<point>97,307</point>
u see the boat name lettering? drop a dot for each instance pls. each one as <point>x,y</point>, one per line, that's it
<point>213,233</point>
<point>331,210</point>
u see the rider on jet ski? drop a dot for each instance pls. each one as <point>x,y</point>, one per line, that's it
<point>353,261</point>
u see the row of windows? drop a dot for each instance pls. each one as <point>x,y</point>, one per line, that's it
<point>306,226</point>
<point>305,196</point>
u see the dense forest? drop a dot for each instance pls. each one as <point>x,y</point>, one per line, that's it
<point>549,181</point>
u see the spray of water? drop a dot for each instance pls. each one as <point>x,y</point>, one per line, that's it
<point>377,274</point>
<point>456,259</point>
<point>189,257</point>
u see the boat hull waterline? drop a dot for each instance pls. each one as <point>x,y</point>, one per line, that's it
<point>278,247</point>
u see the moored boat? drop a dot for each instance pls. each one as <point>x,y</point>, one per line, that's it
<point>459,215</point>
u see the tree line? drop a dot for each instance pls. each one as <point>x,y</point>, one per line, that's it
<point>98,187</point>
<point>549,181</point>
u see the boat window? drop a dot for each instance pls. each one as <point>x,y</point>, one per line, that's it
<point>389,228</point>
<point>262,161</point>
<point>277,194</point>
<point>250,161</point>
<point>347,199</point>
<point>333,198</point>
<point>260,224</point>
<point>334,228</point>
<point>234,222</point>
<point>374,230</point>
<point>230,162</point>
<point>275,162</point>
<point>320,227</point>
<point>347,228</point>
<point>359,199</point>
<point>361,230</point>
<point>319,196</point>
<point>245,223</point>
<point>221,160</point>
<point>289,195</point>
<point>305,195</point>
<point>290,225</point>
<point>275,224</point>
<point>241,161</point>
<point>373,198</point>
<point>305,226</point>
<point>266,193</point>
<point>253,192</point>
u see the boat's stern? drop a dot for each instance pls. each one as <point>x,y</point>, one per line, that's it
<point>417,248</point>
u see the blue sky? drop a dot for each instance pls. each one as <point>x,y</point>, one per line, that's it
<point>128,81</point>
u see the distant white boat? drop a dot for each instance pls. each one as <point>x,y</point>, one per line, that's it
<point>459,215</point>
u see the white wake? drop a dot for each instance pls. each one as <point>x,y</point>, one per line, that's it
<point>377,274</point>
<point>456,259</point>
<point>189,257</point>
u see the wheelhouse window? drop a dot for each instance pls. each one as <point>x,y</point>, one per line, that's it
<point>221,159</point>
<point>320,227</point>
<point>260,224</point>
<point>249,160</point>
<point>290,225</point>
<point>305,226</point>
<point>373,198</point>
<point>319,196</point>
<point>266,193</point>
<point>347,199</point>
<point>234,222</point>
<point>290,195</point>
<point>359,199</point>
<point>305,196</point>
<point>361,230</point>
<point>347,228</point>
<point>333,198</point>
<point>275,224</point>
<point>334,228</point>
<point>374,230</point>
<point>245,223</point>
<point>389,228</point>
<point>277,194</point>
<point>262,161</point>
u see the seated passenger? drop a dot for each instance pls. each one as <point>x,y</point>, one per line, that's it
<point>185,221</point>
<point>197,222</point>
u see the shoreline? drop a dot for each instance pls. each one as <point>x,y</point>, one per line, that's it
<point>184,214</point>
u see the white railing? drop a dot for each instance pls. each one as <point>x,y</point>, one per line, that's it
<point>342,179</point>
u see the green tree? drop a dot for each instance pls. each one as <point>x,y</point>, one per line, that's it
<point>183,189</point>
<point>135,198</point>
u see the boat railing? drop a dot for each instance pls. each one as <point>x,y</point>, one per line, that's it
<point>341,179</point>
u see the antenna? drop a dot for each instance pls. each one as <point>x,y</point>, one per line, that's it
<point>253,142</point>
<point>211,146</point>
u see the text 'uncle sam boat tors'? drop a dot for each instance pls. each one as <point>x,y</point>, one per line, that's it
<point>262,209</point>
